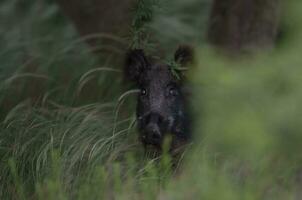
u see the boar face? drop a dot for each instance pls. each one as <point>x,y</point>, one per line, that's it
<point>161,103</point>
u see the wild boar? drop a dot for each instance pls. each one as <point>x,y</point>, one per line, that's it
<point>162,104</point>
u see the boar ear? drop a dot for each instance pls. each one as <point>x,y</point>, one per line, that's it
<point>136,63</point>
<point>184,55</point>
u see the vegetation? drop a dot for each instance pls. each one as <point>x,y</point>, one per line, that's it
<point>67,127</point>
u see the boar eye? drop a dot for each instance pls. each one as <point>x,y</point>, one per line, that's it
<point>143,91</point>
<point>172,91</point>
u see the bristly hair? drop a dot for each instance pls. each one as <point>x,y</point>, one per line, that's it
<point>135,63</point>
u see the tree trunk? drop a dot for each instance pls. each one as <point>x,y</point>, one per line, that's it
<point>91,17</point>
<point>240,25</point>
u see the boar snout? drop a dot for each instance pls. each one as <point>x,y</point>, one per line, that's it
<point>152,130</point>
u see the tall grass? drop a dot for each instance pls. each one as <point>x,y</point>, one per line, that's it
<point>62,143</point>
<point>67,129</point>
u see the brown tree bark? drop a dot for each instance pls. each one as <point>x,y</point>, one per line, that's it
<point>240,25</point>
<point>90,17</point>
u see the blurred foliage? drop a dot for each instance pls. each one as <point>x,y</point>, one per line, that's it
<point>159,27</point>
<point>143,14</point>
<point>67,128</point>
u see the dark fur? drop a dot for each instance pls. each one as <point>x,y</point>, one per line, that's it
<point>161,104</point>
